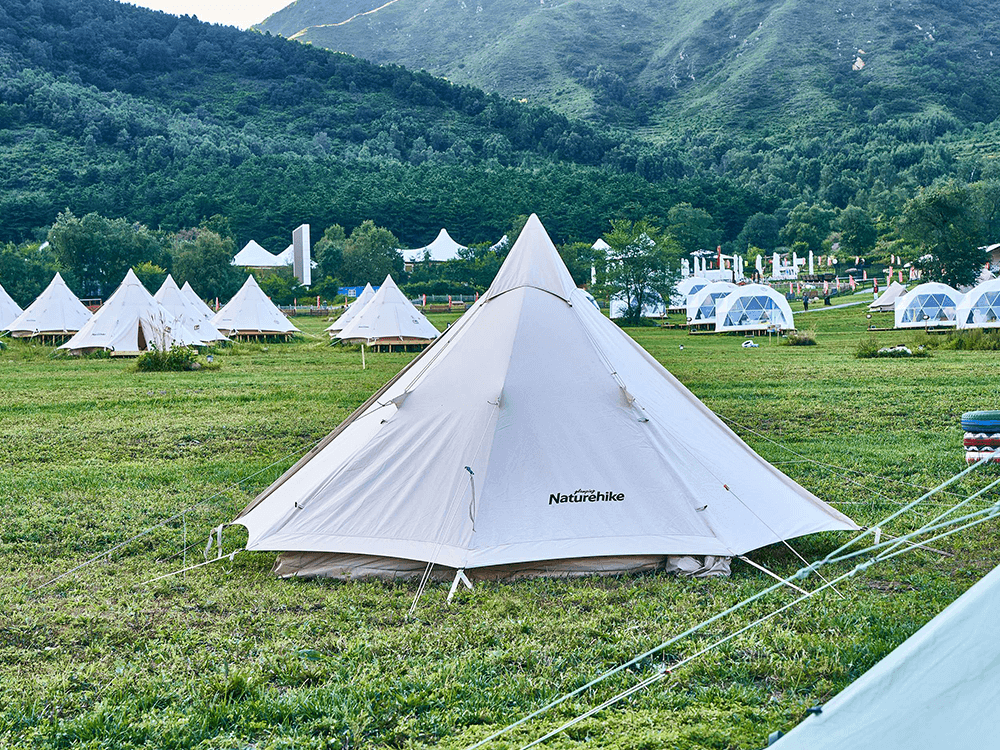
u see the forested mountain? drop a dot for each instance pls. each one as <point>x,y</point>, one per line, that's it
<point>671,61</point>
<point>131,113</point>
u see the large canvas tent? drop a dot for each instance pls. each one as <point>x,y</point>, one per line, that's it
<point>129,322</point>
<point>250,313</point>
<point>180,306</point>
<point>886,301</point>
<point>442,248</point>
<point>9,309</point>
<point>389,318</point>
<point>254,256</point>
<point>534,436</point>
<point>352,310</point>
<point>701,305</point>
<point>939,689</point>
<point>980,307</point>
<point>754,307</point>
<point>206,312</point>
<point>927,305</point>
<point>56,312</point>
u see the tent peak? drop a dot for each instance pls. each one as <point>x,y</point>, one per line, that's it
<point>533,262</point>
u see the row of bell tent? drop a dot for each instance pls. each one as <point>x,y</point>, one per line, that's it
<point>383,316</point>
<point>132,320</point>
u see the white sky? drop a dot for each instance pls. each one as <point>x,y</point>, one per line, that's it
<point>242,13</point>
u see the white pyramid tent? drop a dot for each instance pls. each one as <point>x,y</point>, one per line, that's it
<point>939,689</point>
<point>254,256</point>
<point>388,318</point>
<point>442,248</point>
<point>131,321</point>
<point>927,305</point>
<point>352,311</point>
<point>206,312</point>
<point>180,306</point>
<point>251,313</point>
<point>9,309</point>
<point>886,301</point>
<point>980,307</point>
<point>57,311</point>
<point>534,433</point>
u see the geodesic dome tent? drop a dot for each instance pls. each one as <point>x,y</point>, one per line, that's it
<point>930,304</point>
<point>980,307</point>
<point>753,307</point>
<point>685,288</point>
<point>701,304</point>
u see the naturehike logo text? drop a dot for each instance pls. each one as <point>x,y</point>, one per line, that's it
<point>587,496</point>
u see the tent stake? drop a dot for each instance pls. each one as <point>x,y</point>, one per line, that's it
<point>363,365</point>
<point>460,577</point>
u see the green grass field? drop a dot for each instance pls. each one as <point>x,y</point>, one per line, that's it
<point>228,656</point>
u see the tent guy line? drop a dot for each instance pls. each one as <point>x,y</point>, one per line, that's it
<point>982,516</point>
<point>735,608</point>
<point>979,517</point>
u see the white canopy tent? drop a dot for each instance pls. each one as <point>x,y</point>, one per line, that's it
<point>533,437</point>
<point>980,307</point>
<point>206,312</point>
<point>9,309</point>
<point>701,304</point>
<point>180,306</point>
<point>129,322</point>
<point>388,318</point>
<point>753,307</point>
<point>886,301</point>
<point>56,312</point>
<point>927,305</point>
<point>939,689</point>
<point>352,310</point>
<point>653,307</point>
<point>254,256</point>
<point>442,248</point>
<point>251,313</point>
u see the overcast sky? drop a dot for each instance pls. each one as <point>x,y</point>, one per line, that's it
<point>242,13</point>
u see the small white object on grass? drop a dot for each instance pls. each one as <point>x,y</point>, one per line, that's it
<point>748,344</point>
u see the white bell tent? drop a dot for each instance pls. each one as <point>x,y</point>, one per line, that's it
<point>254,256</point>
<point>927,305</point>
<point>9,309</point>
<point>250,313</point>
<point>206,312</point>
<point>389,318</point>
<point>129,322</point>
<point>442,248</point>
<point>980,307</point>
<point>939,689</point>
<point>886,301</point>
<point>754,307</point>
<point>180,306</point>
<point>701,304</point>
<point>533,437</point>
<point>352,310</point>
<point>56,312</point>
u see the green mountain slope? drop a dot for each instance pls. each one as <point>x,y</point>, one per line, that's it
<point>668,61</point>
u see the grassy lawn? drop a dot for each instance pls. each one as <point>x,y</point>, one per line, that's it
<point>230,657</point>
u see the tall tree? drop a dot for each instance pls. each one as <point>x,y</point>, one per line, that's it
<point>643,265</point>
<point>693,228</point>
<point>204,258</point>
<point>945,223</point>
<point>857,231</point>
<point>371,253</point>
<point>808,223</point>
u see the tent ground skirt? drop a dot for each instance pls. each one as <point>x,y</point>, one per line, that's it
<point>360,567</point>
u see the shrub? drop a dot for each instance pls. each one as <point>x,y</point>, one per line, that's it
<point>869,349</point>
<point>973,339</point>
<point>177,359</point>
<point>799,338</point>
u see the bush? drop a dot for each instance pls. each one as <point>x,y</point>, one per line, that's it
<point>974,339</point>
<point>799,338</point>
<point>869,349</point>
<point>177,359</point>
